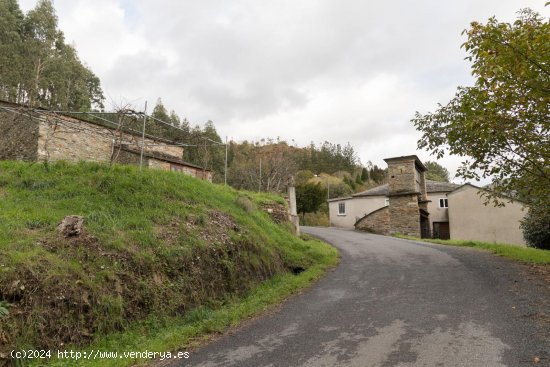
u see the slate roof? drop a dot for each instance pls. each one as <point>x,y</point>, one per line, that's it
<point>431,186</point>
<point>381,190</point>
<point>437,186</point>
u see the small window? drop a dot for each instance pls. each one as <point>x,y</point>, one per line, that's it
<point>443,203</point>
<point>341,208</point>
<point>387,202</point>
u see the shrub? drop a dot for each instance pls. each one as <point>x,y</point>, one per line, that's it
<point>536,227</point>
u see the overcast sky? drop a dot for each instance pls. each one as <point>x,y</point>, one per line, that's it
<point>304,70</point>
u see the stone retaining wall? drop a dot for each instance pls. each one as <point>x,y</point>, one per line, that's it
<point>376,222</point>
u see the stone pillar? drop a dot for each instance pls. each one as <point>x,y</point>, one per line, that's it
<point>293,211</point>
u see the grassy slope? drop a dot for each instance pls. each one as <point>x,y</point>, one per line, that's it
<point>165,257</point>
<point>529,255</point>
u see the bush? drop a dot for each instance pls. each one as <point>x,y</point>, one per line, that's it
<point>536,228</point>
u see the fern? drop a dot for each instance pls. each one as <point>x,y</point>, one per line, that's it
<point>4,308</point>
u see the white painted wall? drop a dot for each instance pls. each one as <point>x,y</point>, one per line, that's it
<point>470,219</point>
<point>356,208</point>
<point>437,214</point>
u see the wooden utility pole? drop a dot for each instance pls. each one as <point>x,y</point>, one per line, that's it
<point>143,137</point>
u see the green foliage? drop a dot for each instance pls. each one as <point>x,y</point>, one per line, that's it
<point>436,172</point>
<point>364,174</point>
<point>348,181</point>
<point>317,219</point>
<point>536,227</point>
<point>4,308</point>
<point>502,122</point>
<point>377,174</point>
<point>278,166</point>
<point>37,67</point>
<point>207,149</point>
<point>309,197</point>
<point>303,176</point>
<point>328,157</point>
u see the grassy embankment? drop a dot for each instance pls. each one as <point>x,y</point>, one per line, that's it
<point>164,259</point>
<point>525,254</point>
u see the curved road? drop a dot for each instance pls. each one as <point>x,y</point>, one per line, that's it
<point>394,302</point>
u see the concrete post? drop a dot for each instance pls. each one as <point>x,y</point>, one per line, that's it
<point>293,211</point>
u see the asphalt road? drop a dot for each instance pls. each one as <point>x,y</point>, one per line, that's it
<point>394,302</point>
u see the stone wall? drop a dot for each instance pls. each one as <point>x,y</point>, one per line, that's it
<point>18,137</point>
<point>125,157</point>
<point>404,215</point>
<point>75,140</point>
<point>376,222</point>
<point>402,176</point>
<point>158,164</point>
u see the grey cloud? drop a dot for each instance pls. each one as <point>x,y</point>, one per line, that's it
<point>291,68</point>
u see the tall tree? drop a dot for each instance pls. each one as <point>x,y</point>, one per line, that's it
<point>37,67</point>
<point>11,47</point>
<point>503,121</point>
<point>436,172</point>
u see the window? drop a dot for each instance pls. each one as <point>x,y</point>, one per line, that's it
<point>443,203</point>
<point>341,208</point>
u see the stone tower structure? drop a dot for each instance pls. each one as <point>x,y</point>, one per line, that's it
<point>408,203</point>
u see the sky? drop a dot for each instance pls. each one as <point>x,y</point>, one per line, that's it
<point>310,70</point>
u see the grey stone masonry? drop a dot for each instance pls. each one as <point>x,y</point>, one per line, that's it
<point>18,137</point>
<point>40,135</point>
<point>407,194</point>
<point>376,222</point>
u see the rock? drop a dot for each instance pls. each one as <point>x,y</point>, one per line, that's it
<point>71,226</point>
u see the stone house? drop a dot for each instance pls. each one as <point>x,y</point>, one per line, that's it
<point>40,135</point>
<point>409,204</point>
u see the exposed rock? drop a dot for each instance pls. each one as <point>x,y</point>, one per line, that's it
<point>71,226</point>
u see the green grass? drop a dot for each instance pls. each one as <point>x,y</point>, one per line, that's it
<point>164,259</point>
<point>525,254</point>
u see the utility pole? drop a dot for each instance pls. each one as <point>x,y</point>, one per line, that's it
<point>225,171</point>
<point>260,180</point>
<point>143,137</point>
